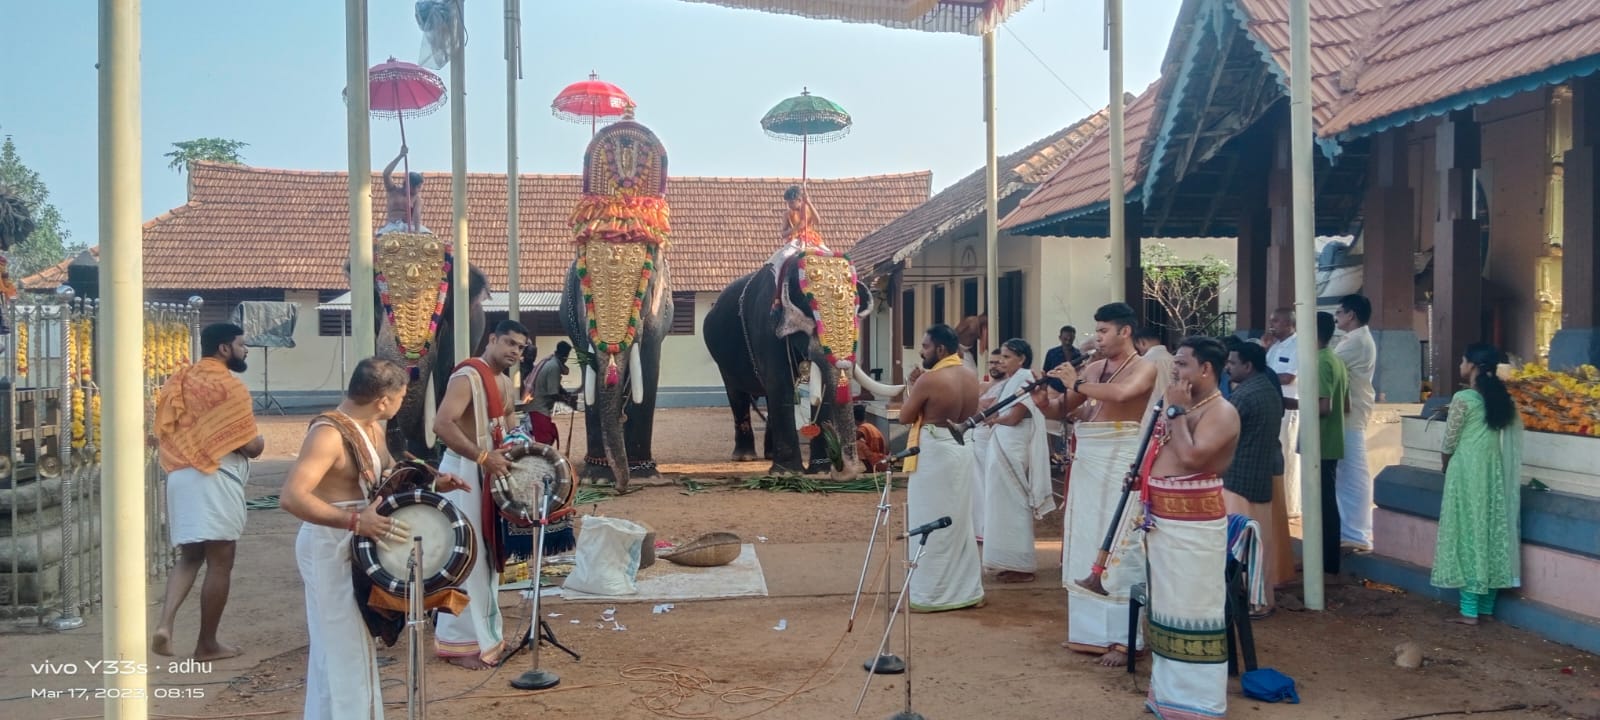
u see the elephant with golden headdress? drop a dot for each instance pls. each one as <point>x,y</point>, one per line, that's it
<point>617,305</point>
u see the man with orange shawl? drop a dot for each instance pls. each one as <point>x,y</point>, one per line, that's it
<point>206,429</point>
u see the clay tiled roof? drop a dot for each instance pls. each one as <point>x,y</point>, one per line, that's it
<point>52,277</point>
<point>1340,34</point>
<point>262,228</point>
<point>1439,55</point>
<point>1081,182</point>
<point>964,200</point>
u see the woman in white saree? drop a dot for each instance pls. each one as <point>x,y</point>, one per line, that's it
<point>1016,472</point>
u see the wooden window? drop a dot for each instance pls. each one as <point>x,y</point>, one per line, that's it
<point>969,297</point>
<point>938,306</point>
<point>682,314</point>
<point>909,336</point>
<point>332,323</point>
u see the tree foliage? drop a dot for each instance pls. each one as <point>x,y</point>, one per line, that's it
<point>1189,291</point>
<point>208,149</point>
<point>23,194</point>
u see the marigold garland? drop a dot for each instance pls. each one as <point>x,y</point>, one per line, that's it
<point>85,408</point>
<point>621,219</point>
<point>22,348</point>
<point>1556,401</point>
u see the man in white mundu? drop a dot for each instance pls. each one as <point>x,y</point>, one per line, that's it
<point>989,387</point>
<point>1283,356</point>
<point>1016,472</point>
<point>341,461</point>
<point>950,574</point>
<point>472,422</point>
<point>1110,401</point>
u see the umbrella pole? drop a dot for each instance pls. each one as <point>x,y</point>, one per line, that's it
<point>406,161</point>
<point>805,148</point>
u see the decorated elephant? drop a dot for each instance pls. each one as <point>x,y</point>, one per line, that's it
<point>767,352</point>
<point>416,306</point>
<point>617,305</point>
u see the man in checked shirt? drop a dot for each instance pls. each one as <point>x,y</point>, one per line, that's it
<point>1247,484</point>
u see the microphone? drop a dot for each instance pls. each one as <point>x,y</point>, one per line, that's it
<point>926,528</point>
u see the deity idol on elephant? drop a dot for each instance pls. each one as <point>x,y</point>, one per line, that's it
<point>617,305</point>
<point>795,320</point>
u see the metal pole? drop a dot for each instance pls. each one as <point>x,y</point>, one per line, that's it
<point>1305,296</point>
<point>1117,202</point>
<point>461,320</point>
<point>121,354</point>
<point>363,310</point>
<point>513,243</point>
<point>991,183</point>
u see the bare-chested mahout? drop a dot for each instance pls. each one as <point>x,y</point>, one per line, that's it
<point>1116,388</point>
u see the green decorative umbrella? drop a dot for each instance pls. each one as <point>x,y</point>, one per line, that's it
<point>807,118</point>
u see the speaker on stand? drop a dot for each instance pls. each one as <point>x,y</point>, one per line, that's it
<point>267,325</point>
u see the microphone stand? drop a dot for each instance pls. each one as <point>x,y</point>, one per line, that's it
<point>959,430</point>
<point>885,663</point>
<point>907,713</point>
<point>536,678</point>
<point>416,689</point>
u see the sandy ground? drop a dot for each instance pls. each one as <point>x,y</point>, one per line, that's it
<point>725,659</point>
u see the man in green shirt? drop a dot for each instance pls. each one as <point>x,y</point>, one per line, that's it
<point>1333,401</point>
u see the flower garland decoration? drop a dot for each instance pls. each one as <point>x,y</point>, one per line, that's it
<point>85,406</point>
<point>22,348</point>
<point>413,355</point>
<point>842,391</point>
<point>622,218</point>
<point>1556,401</point>
<point>613,349</point>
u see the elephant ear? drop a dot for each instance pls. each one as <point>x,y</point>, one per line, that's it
<point>796,319</point>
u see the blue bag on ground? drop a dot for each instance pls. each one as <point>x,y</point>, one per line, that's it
<point>1269,685</point>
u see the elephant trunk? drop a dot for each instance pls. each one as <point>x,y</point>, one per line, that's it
<point>613,425</point>
<point>844,421</point>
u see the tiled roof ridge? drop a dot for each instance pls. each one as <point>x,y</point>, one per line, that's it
<point>1144,96</point>
<point>207,168</point>
<point>1073,139</point>
<point>170,214</point>
<point>1372,37</point>
<point>1497,43</point>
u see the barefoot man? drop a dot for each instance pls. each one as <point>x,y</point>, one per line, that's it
<point>1187,539</point>
<point>206,430</point>
<point>341,460</point>
<point>950,575</point>
<point>1109,402</point>
<point>472,421</point>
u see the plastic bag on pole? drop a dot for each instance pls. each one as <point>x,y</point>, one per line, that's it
<point>608,556</point>
<point>436,19</point>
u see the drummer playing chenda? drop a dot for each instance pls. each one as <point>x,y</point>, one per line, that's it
<point>472,422</point>
<point>329,487</point>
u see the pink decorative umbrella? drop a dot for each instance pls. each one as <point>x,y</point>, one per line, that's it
<point>396,89</point>
<point>594,100</point>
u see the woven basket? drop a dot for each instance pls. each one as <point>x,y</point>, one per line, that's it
<point>709,550</point>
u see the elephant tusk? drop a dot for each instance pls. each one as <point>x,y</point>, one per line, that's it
<point>634,368</point>
<point>588,386</point>
<point>815,386</point>
<point>878,389</point>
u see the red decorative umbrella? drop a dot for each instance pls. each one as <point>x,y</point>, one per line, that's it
<point>396,89</point>
<point>594,100</point>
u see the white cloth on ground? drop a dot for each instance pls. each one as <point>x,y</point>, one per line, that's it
<point>1018,490</point>
<point>207,506</point>
<point>1104,453</point>
<point>342,672</point>
<point>480,629</point>
<point>1188,593</point>
<point>950,574</point>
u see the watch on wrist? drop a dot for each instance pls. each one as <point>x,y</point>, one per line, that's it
<point>1174,411</point>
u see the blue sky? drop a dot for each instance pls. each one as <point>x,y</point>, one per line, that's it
<point>271,74</point>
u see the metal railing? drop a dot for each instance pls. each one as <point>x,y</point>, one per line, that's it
<point>50,534</point>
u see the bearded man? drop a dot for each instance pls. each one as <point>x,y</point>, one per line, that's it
<point>206,432</point>
<point>950,576</point>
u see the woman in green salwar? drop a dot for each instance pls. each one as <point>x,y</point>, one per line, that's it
<point>1479,547</point>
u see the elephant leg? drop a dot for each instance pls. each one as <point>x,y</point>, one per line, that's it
<point>782,435</point>
<point>594,467</point>
<point>766,435</point>
<point>641,425</point>
<point>744,438</point>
